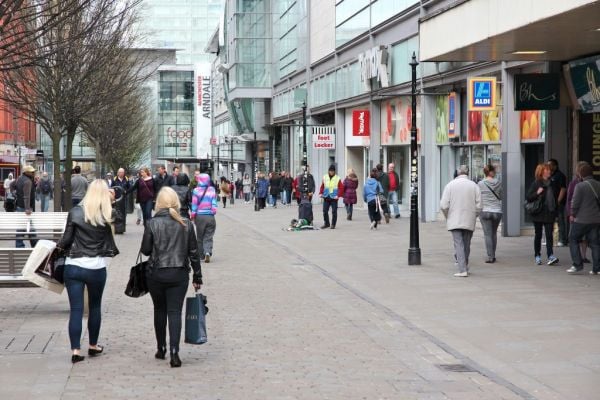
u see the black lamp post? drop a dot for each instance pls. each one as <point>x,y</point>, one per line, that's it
<point>304,150</point>
<point>255,172</point>
<point>414,251</point>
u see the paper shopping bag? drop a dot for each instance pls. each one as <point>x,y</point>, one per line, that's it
<point>195,320</point>
<point>38,268</point>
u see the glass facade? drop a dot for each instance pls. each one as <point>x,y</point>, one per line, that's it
<point>290,42</point>
<point>176,114</point>
<point>355,17</point>
<point>249,47</point>
<point>186,25</point>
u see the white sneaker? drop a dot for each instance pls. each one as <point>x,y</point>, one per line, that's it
<point>373,225</point>
<point>560,244</point>
<point>593,273</point>
<point>461,274</point>
<point>574,270</point>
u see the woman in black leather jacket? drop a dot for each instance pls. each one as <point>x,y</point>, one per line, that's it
<point>170,241</point>
<point>89,244</point>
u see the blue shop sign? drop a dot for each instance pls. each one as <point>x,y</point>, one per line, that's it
<point>481,94</point>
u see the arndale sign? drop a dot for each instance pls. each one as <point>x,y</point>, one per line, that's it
<point>481,94</point>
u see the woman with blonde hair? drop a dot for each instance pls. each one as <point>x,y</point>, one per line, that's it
<point>89,244</point>
<point>170,242</point>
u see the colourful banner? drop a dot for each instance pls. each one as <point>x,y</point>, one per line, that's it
<point>486,126</point>
<point>532,125</point>
<point>396,120</point>
<point>452,115</point>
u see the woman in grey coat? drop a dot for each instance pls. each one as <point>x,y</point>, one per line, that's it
<point>491,214</point>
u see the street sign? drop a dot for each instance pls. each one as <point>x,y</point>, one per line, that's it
<point>481,94</point>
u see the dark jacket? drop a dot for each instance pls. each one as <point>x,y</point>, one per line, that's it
<point>305,185</point>
<point>549,213</point>
<point>275,185</point>
<point>25,192</point>
<point>145,190</point>
<point>585,205</point>
<point>171,245</point>
<point>82,239</point>
<point>160,181</point>
<point>286,184</point>
<point>350,186</point>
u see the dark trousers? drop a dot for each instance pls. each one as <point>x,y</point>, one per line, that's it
<point>167,298</point>
<point>147,207</point>
<point>578,232</point>
<point>76,279</point>
<point>374,214</point>
<point>19,243</point>
<point>562,224</point>
<point>262,202</point>
<point>349,209</point>
<point>224,198</point>
<point>537,239</point>
<point>327,204</point>
<point>75,202</point>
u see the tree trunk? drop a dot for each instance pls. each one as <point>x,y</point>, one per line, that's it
<point>56,136</point>
<point>69,166</point>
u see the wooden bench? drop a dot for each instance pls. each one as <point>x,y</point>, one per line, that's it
<point>48,225</point>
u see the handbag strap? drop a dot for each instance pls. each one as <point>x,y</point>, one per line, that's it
<point>593,190</point>
<point>202,197</point>
<point>492,190</point>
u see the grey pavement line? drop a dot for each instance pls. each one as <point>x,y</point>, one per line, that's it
<point>409,325</point>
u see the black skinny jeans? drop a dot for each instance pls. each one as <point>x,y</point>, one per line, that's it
<point>168,300</point>
<point>537,240</point>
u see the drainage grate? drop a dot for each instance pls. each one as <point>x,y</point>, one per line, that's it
<point>456,368</point>
<point>26,344</point>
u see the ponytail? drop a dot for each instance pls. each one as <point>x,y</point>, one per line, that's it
<point>175,215</point>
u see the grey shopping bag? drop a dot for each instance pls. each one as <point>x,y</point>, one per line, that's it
<point>195,319</point>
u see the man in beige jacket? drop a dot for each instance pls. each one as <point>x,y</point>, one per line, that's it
<point>461,204</point>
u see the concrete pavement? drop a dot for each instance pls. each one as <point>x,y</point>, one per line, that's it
<point>332,314</point>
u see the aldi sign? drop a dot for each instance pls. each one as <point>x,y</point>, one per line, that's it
<point>481,94</point>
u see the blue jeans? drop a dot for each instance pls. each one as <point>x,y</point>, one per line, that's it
<point>273,200</point>
<point>19,244</point>
<point>44,202</point>
<point>284,197</point>
<point>147,207</point>
<point>393,200</point>
<point>76,278</point>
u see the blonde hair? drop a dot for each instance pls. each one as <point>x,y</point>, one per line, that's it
<point>97,205</point>
<point>350,171</point>
<point>167,198</point>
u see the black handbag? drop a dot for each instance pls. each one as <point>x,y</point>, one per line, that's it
<point>137,286</point>
<point>536,206</point>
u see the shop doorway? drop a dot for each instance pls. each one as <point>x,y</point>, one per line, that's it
<point>399,155</point>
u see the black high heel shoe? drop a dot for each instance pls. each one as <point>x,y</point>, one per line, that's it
<point>95,352</point>
<point>75,358</point>
<point>161,354</point>
<point>175,360</point>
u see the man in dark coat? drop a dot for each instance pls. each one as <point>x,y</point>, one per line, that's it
<point>382,177</point>
<point>25,199</point>
<point>274,184</point>
<point>161,179</point>
<point>124,184</point>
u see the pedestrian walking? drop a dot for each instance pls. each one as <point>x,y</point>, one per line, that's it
<point>239,187</point>
<point>558,180</point>
<point>350,186</point>
<point>44,191</point>
<point>262,190</point>
<point>9,193</point>
<point>120,218</point>
<point>25,199</point>
<point>383,178</point>
<point>461,203</point>
<point>88,244</point>
<point>161,178</point>
<point>274,188</point>
<point>224,190</point>
<point>110,181</point>
<point>491,214</point>
<point>145,193</point>
<point>203,210</point>
<point>583,244</point>
<point>585,220</point>
<point>542,190</point>
<point>170,242</point>
<point>371,190</point>
<point>247,188</point>
<point>79,186</point>
<point>286,188</point>
<point>331,190</point>
<point>393,183</point>
<point>182,188</point>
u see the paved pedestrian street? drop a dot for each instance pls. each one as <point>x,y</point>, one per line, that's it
<point>326,314</point>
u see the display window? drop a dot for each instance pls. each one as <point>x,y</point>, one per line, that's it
<point>486,126</point>
<point>396,121</point>
<point>532,125</point>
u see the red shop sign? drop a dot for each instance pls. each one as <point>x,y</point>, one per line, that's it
<point>361,123</point>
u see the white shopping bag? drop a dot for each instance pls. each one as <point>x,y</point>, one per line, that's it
<point>34,269</point>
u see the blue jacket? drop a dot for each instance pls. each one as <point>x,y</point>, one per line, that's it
<point>372,187</point>
<point>263,188</point>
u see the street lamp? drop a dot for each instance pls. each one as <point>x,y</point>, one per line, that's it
<point>255,172</point>
<point>414,251</point>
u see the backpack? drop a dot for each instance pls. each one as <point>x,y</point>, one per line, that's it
<point>45,187</point>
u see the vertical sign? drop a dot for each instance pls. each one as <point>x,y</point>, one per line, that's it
<point>589,140</point>
<point>481,94</point>
<point>452,115</point>
<point>203,115</point>
<point>361,123</point>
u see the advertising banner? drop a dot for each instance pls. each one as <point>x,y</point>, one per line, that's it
<point>349,137</point>
<point>396,121</point>
<point>585,78</point>
<point>441,119</point>
<point>361,120</point>
<point>452,115</point>
<point>481,94</point>
<point>486,126</point>
<point>532,125</point>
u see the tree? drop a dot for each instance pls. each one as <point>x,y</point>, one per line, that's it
<point>23,25</point>
<point>89,70</point>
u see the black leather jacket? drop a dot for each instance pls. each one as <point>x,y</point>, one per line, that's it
<point>171,245</point>
<point>85,240</point>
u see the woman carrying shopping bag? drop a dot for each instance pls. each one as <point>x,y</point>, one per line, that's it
<point>170,242</point>
<point>89,244</point>
<point>371,191</point>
